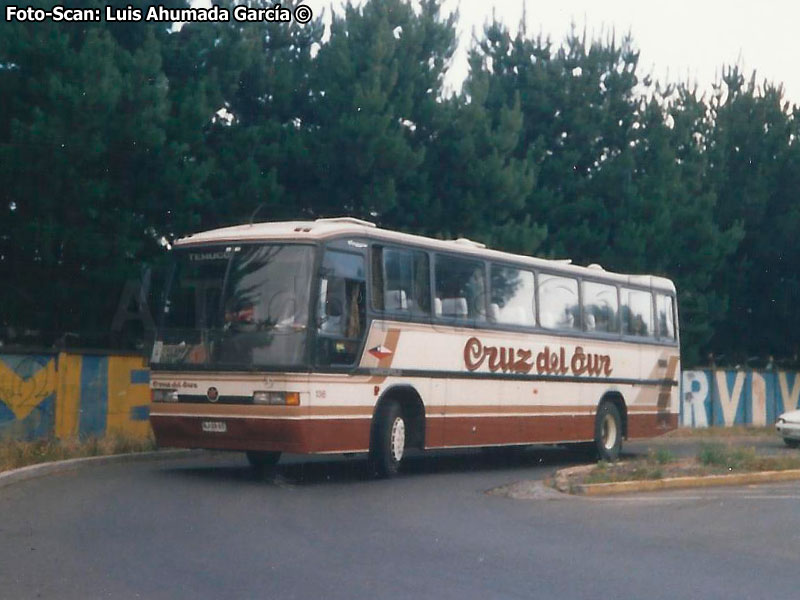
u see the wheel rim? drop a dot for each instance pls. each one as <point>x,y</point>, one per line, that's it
<point>609,432</point>
<point>398,439</point>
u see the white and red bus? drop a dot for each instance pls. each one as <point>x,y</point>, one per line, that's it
<point>335,336</point>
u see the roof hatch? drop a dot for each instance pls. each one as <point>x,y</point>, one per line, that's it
<point>466,242</point>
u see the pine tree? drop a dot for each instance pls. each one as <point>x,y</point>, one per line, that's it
<point>479,187</point>
<point>85,164</point>
<point>375,86</point>
<point>754,160</point>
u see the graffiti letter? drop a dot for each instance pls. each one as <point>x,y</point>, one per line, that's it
<point>758,398</point>
<point>695,394</point>
<point>729,400</point>
<point>789,397</point>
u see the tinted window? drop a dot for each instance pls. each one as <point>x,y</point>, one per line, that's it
<point>259,319</point>
<point>401,281</point>
<point>266,305</point>
<point>460,289</point>
<point>637,313</point>
<point>600,307</point>
<point>558,302</point>
<point>341,311</point>
<point>194,297</point>
<point>665,314</point>
<point>512,299</point>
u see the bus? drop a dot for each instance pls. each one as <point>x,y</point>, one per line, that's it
<point>336,336</point>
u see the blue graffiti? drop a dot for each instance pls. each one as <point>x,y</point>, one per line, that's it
<point>725,398</point>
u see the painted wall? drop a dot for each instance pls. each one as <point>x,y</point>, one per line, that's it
<point>724,398</point>
<point>70,395</point>
<point>28,384</point>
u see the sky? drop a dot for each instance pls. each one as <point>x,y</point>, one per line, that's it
<point>679,41</point>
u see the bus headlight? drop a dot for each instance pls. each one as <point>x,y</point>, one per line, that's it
<point>161,395</point>
<point>276,398</point>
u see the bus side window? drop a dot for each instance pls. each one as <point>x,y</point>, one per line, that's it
<point>601,308</point>
<point>558,302</point>
<point>460,289</point>
<point>637,313</point>
<point>512,296</point>
<point>665,316</point>
<point>341,311</point>
<point>400,281</point>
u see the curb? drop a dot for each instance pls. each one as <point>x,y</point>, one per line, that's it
<point>49,468</point>
<point>670,483</point>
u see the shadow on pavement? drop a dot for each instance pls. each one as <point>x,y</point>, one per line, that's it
<point>311,470</point>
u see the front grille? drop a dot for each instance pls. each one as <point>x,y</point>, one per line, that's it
<point>202,399</point>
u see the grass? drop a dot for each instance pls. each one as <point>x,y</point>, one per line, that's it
<point>727,459</point>
<point>15,454</point>
<point>662,456</point>
<point>717,455</point>
<point>722,432</point>
<point>713,458</point>
<point>648,468</point>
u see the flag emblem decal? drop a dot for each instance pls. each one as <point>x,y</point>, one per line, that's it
<point>380,352</point>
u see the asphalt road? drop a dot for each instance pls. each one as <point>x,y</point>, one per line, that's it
<point>207,528</point>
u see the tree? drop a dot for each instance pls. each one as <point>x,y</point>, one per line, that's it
<point>478,184</point>
<point>239,94</point>
<point>619,178</point>
<point>375,87</point>
<point>681,238</point>
<point>754,169</point>
<point>85,170</point>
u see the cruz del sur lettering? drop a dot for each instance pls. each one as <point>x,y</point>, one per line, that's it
<point>546,362</point>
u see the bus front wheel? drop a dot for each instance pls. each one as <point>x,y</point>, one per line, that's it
<point>388,441</point>
<point>608,432</point>
<point>263,462</point>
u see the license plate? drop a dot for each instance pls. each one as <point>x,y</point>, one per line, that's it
<point>215,426</point>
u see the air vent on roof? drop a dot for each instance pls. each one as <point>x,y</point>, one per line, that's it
<point>467,242</point>
<point>563,261</point>
<point>595,266</point>
<point>351,220</point>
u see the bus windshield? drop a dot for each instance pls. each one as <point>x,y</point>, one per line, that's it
<point>242,306</point>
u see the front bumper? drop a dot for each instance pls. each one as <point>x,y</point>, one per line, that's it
<point>788,429</point>
<point>256,428</point>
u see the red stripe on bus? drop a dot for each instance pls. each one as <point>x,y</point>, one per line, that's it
<point>352,435</point>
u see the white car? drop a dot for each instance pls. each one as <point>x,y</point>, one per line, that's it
<point>788,426</point>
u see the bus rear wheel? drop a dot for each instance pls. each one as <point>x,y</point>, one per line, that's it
<point>608,432</point>
<point>388,445</point>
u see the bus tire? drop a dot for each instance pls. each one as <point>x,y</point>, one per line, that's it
<point>263,462</point>
<point>608,432</point>
<point>388,446</point>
